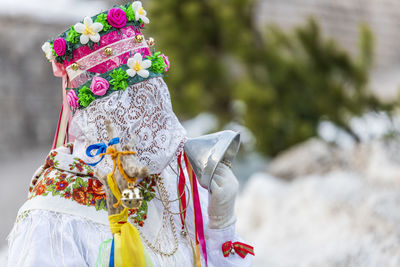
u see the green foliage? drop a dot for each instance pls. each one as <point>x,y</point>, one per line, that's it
<point>301,78</point>
<point>130,15</point>
<point>85,96</point>
<point>188,32</point>
<point>289,81</point>
<point>102,18</point>
<point>72,36</point>
<point>119,78</point>
<point>157,63</point>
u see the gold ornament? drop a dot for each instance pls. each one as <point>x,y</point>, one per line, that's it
<point>139,38</point>
<point>108,51</point>
<point>131,198</point>
<point>151,41</point>
<point>75,66</point>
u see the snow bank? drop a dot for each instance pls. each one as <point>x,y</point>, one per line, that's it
<point>345,217</point>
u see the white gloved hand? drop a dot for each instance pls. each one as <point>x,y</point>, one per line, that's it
<point>221,204</point>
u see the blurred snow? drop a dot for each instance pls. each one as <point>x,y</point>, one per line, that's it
<point>341,218</point>
<point>52,10</point>
<point>368,127</point>
<point>203,123</point>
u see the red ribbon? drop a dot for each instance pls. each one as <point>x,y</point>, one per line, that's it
<point>240,248</point>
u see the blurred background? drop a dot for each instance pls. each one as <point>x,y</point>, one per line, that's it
<point>311,85</point>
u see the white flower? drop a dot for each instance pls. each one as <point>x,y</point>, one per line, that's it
<point>140,13</point>
<point>138,66</point>
<point>88,30</point>
<point>46,47</point>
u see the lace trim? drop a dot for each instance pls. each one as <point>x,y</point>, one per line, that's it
<point>142,112</point>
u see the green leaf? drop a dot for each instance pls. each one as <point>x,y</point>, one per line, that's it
<point>72,36</point>
<point>102,18</point>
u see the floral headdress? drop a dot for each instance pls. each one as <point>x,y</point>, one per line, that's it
<point>100,55</point>
<point>105,53</point>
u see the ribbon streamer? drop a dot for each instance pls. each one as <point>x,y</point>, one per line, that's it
<point>199,226</point>
<point>101,149</point>
<point>64,118</point>
<point>241,249</point>
<point>181,190</point>
<point>127,246</point>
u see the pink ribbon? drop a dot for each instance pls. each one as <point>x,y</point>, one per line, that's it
<point>181,189</point>
<point>197,210</point>
<point>60,136</point>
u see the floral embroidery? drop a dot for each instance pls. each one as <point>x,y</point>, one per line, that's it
<point>80,166</point>
<point>72,180</point>
<point>50,160</point>
<point>147,188</point>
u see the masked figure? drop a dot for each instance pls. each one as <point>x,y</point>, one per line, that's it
<point>114,96</point>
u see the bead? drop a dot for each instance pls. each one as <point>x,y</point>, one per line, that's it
<point>75,66</point>
<point>232,251</point>
<point>183,233</point>
<point>108,51</point>
<point>151,41</point>
<point>131,198</point>
<point>139,38</point>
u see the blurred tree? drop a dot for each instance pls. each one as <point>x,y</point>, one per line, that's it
<point>198,37</point>
<point>289,81</point>
<point>300,79</point>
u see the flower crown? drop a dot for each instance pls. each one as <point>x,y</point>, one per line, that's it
<point>105,53</point>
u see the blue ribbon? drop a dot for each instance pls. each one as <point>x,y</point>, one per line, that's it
<point>101,148</point>
<point>111,263</point>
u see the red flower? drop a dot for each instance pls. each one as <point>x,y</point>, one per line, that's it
<point>95,187</point>
<point>67,194</point>
<point>92,202</point>
<point>48,171</point>
<point>62,176</point>
<point>61,185</point>
<point>79,166</point>
<point>131,212</point>
<point>49,181</point>
<point>40,188</point>
<point>50,162</point>
<point>80,195</point>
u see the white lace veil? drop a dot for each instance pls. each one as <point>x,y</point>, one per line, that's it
<point>142,111</point>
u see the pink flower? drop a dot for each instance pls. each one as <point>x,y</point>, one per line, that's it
<point>99,86</point>
<point>166,60</point>
<point>72,99</point>
<point>60,46</point>
<point>116,17</point>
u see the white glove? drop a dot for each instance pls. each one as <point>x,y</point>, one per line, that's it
<point>221,204</point>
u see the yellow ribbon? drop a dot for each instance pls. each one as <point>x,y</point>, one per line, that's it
<point>128,248</point>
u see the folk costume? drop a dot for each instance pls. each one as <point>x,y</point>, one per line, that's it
<point>111,74</point>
